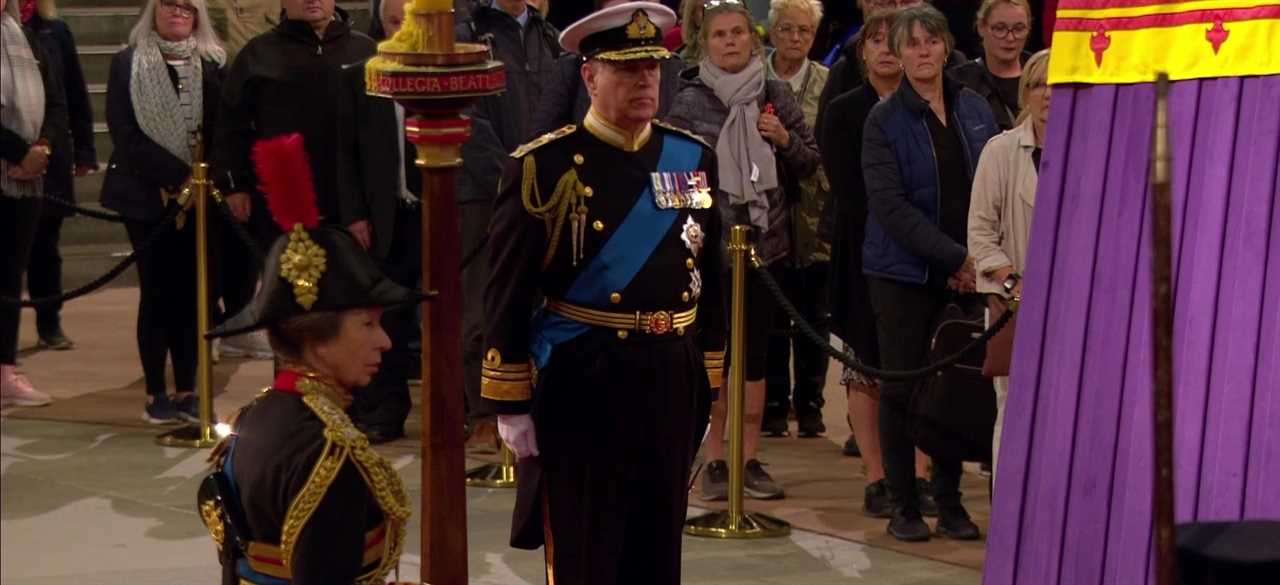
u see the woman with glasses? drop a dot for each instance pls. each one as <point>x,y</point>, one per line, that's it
<point>792,28</point>
<point>1003,203</point>
<point>1003,26</point>
<point>764,149</point>
<point>162,93</point>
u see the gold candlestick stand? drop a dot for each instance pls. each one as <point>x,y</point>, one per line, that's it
<point>423,69</point>
<point>736,522</point>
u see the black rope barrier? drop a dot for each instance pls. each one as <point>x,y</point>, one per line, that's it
<point>245,237</point>
<point>93,213</point>
<point>847,359</point>
<point>165,225</point>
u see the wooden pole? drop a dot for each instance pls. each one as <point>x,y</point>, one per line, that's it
<point>1162,338</point>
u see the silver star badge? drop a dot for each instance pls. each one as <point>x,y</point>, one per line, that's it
<point>692,235</point>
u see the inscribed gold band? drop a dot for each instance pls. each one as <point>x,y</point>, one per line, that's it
<point>636,321</point>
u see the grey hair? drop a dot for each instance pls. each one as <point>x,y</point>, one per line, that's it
<point>813,6</point>
<point>928,17</point>
<point>207,44</point>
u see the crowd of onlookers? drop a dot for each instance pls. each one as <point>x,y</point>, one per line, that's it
<point>885,155</point>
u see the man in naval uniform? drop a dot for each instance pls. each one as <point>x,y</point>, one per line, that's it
<point>603,394</point>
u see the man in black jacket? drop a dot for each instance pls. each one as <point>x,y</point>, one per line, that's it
<point>282,81</point>
<point>527,44</point>
<point>73,153</point>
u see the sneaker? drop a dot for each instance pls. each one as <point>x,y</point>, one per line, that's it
<point>954,523</point>
<point>907,525</point>
<point>875,500</point>
<point>715,481</point>
<point>55,339</point>
<point>160,411</point>
<point>17,390</point>
<point>809,423</point>
<point>253,346</point>
<point>924,494</point>
<point>188,406</point>
<point>758,484</point>
<point>775,423</point>
<point>850,448</point>
<point>214,350</point>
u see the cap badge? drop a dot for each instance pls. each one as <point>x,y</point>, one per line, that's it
<point>641,27</point>
<point>302,265</point>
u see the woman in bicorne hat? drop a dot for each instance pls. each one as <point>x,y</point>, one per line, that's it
<point>297,495</point>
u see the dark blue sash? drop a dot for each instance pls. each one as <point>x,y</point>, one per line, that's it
<point>621,258</point>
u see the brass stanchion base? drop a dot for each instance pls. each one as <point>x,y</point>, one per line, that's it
<point>751,525</point>
<point>493,475</point>
<point>189,437</point>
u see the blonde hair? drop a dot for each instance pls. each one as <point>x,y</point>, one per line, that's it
<point>207,44</point>
<point>813,6</point>
<point>731,7</point>
<point>690,32</point>
<point>1035,71</point>
<point>46,9</point>
<point>984,9</point>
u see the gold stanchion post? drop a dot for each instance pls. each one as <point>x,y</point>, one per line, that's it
<point>495,475</point>
<point>201,435</point>
<point>736,522</point>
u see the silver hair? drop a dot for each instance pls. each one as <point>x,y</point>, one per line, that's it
<point>207,44</point>
<point>928,17</point>
<point>813,6</point>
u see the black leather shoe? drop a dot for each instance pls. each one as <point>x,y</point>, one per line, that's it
<point>851,448</point>
<point>955,523</point>
<point>875,500</point>
<point>809,423</point>
<point>908,526</point>
<point>775,424</point>
<point>56,340</point>
<point>379,434</point>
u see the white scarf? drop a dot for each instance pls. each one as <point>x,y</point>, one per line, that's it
<point>747,165</point>
<point>168,116</point>
<point>21,98</point>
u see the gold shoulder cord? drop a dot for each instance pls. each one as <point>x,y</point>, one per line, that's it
<point>568,199</point>
<point>343,440</point>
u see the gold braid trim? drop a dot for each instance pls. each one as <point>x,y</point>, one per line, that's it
<point>567,200</point>
<point>342,441</point>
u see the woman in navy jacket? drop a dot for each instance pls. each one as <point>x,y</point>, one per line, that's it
<point>920,149</point>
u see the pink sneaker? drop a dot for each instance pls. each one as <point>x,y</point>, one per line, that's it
<point>16,390</point>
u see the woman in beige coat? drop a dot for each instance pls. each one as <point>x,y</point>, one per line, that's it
<point>1003,203</point>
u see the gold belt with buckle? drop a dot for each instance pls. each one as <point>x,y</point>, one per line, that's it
<point>651,322</point>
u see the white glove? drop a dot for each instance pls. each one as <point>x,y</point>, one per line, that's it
<point>517,432</point>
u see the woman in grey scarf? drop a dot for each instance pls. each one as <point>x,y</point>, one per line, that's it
<point>764,149</point>
<point>32,111</point>
<point>162,93</point>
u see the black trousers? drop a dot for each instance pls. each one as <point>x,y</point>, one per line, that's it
<point>905,316</point>
<point>474,222</point>
<point>807,289</point>
<point>385,401</point>
<point>618,423</point>
<point>18,220</point>
<point>167,305</point>
<point>236,279</point>
<point>44,271</point>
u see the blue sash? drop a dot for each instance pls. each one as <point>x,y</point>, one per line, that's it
<point>621,258</point>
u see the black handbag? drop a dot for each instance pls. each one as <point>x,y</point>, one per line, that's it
<point>953,412</point>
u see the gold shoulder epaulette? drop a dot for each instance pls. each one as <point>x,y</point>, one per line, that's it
<point>679,130</point>
<point>540,141</point>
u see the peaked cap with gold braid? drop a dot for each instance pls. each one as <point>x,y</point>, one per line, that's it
<point>311,267</point>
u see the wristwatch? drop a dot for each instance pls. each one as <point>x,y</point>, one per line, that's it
<point>1011,282</point>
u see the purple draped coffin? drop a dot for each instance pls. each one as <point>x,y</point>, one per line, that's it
<point>1073,493</point>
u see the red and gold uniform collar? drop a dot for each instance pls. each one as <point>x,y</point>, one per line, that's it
<point>298,382</point>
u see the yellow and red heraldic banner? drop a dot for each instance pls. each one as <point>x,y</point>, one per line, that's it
<point>1129,41</point>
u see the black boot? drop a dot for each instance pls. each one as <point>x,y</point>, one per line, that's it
<point>908,525</point>
<point>954,522</point>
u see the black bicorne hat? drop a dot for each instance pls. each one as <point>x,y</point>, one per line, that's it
<point>309,268</point>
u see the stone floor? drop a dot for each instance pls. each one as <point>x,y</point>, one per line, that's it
<point>87,498</point>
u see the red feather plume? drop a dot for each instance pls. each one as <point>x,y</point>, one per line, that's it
<point>284,175</point>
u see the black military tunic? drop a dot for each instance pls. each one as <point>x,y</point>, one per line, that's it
<point>312,509</point>
<point>621,403</point>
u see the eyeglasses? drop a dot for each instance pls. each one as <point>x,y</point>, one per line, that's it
<point>184,10</point>
<point>1002,31</point>
<point>802,31</point>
